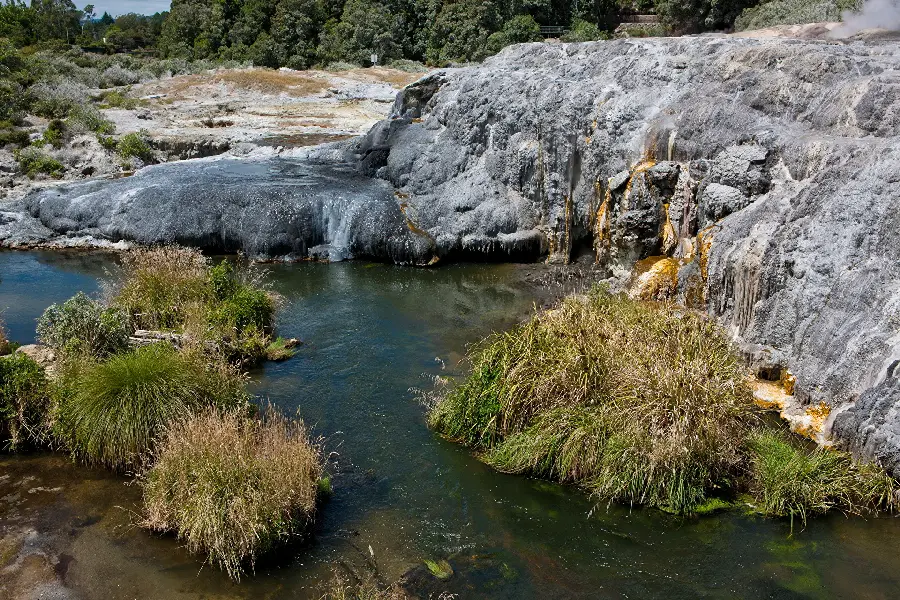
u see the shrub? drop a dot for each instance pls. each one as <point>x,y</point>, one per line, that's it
<point>119,407</point>
<point>56,100</point>
<point>55,133</point>
<point>24,402</point>
<point>134,145</point>
<point>792,12</point>
<point>640,403</point>
<point>584,31</point>
<point>5,346</point>
<point>33,162</point>
<point>233,488</point>
<point>116,99</point>
<point>83,326</point>
<point>117,75</point>
<point>176,289</point>
<point>88,118</point>
<point>792,480</point>
<point>10,135</point>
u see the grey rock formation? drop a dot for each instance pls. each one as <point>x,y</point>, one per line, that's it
<point>768,168</point>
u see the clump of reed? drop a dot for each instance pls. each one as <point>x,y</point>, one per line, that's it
<point>24,403</point>
<point>790,478</point>
<point>232,488</point>
<point>639,403</point>
<point>112,411</point>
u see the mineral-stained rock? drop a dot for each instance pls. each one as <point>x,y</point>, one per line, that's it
<point>768,169</point>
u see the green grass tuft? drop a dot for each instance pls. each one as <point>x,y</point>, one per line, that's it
<point>24,403</point>
<point>233,489</point>
<point>791,479</point>
<point>116,409</point>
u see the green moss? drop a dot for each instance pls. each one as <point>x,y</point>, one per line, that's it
<point>713,505</point>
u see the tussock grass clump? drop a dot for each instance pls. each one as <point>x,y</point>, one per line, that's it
<point>233,488</point>
<point>791,479</point>
<point>24,402</point>
<point>640,403</point>
<point>160,284</point>
<point>116,409</point>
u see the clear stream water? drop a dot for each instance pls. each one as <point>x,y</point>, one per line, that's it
<point>372,334</point>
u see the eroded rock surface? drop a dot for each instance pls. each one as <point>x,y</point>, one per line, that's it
<point>764,171</point>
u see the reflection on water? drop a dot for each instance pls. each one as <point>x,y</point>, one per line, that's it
<point>371,333</point>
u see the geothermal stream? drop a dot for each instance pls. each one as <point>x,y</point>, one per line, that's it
<point>373,333</point>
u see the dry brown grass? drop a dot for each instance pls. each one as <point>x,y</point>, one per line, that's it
<point>273,82</point>
<point>160,282</point>
<point>233,488</point>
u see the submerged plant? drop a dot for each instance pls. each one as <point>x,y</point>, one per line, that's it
<point>233,488</point>
<point>116,409</point>
<point>640,403</point>
<point>791,479</point>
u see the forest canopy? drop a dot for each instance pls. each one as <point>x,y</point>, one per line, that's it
<point>302,33</point>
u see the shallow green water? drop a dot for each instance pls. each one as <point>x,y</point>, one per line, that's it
<point>371,333</point>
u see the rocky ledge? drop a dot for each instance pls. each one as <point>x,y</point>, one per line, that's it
<point>755,179</point>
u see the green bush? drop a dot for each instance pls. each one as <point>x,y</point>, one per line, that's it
<point>134,145</point>
<point>584,31</point>
<point>639,403</point>
<point>518,30</point>
<point>791,479</point>
<point>88,118</point>
<point>117,409</point>
<point>83,326</point>
<point>24,402</point>
<point>33,162</point>
<point>55,133</point>
<point>116,99</point>
<point>12,136</point>
<point>769,13</point>
<point>231,488</point>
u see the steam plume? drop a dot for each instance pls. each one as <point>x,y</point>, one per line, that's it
<point>882,14</point>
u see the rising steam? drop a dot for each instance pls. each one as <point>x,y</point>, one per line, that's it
<point>880,14</point>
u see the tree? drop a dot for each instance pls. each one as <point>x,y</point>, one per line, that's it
<point>366,27</point>
<point>461,30</point>
<point>518,30</point>
<point>295,26</point>
<point>692,16</point>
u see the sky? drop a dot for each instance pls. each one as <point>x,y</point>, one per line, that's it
<point>120,7</point>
